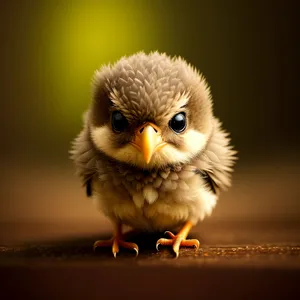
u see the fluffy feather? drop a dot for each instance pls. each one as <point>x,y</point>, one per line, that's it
<point>182,182</point>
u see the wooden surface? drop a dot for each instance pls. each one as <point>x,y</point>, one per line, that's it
<point>250,246</point>
<point>61,268</point>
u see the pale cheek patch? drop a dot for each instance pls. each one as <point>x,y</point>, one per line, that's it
<point>101,138</point>
<point>194,141</point>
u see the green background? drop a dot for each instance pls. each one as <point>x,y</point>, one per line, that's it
<point>49,50</point>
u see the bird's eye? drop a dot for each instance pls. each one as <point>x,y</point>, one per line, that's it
<point>118,121</point>
<point>178,122</point>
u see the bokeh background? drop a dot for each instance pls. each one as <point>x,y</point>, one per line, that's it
<point>247,50</point>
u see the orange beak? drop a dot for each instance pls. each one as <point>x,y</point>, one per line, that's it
<point>148,140</point>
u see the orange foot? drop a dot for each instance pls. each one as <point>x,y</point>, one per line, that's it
<point>179,240</point>
<point>116,242</point>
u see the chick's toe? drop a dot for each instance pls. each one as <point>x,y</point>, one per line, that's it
<point>116,243</point>
<point>178,240</point>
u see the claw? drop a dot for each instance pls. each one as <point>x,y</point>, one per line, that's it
<point>163,242</point>
<point>170,234</point>
<point>136,251</point>
<point>100,243</point>
<point>95,246</point>
<point>196,243</point>
<point>176,244</point>
<point>157,245</point>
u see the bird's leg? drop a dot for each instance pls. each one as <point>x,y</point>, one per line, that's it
<point>179,239</point>
<point>117,241</point>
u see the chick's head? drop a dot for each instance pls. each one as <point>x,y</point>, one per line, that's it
<point>150,111</point>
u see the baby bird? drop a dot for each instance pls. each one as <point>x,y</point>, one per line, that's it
<point>151,153</point>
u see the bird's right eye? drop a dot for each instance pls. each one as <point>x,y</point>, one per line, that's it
<point>118,121</point>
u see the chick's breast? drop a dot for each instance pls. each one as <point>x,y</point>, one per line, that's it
<point>152,200</point>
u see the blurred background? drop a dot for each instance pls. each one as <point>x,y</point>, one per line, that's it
<point>247,50</point>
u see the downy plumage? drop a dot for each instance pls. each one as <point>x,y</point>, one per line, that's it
<point>151,153</point>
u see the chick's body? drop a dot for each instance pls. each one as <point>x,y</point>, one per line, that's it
<point>151,153</point>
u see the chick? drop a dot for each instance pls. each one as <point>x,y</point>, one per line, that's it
<point>151,153</point>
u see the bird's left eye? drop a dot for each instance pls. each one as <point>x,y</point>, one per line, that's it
<point>118,121</point>
<point>178,122</point>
